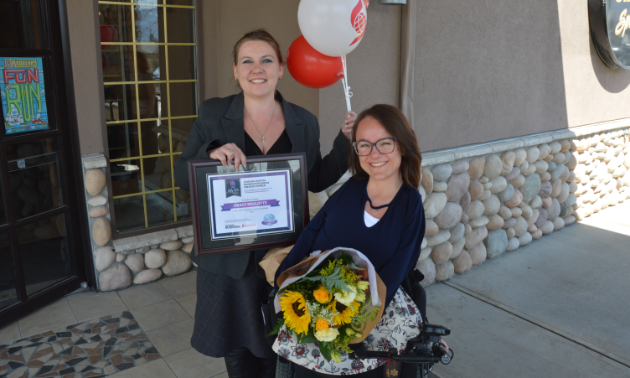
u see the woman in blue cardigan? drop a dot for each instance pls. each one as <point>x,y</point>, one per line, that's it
<point>379,210</point>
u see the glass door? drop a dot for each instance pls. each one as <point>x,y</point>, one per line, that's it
<point>39,233</point>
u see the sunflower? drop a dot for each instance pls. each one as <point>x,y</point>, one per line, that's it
<point>296,315</point>
<point>344,316</point>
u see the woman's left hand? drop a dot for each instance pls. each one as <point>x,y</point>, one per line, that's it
<point>348,124</point>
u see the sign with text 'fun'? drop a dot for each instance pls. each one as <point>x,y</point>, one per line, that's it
<point>23,95</point>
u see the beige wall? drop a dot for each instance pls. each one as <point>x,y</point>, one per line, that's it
<point>496,69</point>
<point>373,72</point>
<point>482,71</point>
<point>235,18</point>
<point>86,70</point>
<point>594,92</point>
<point>487,70</point>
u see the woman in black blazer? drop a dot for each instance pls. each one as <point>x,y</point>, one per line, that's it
<point>257,121</point>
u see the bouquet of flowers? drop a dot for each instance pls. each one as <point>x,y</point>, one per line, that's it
<point>330,305</point>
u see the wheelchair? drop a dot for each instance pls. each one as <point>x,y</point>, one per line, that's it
<point>421,352</point>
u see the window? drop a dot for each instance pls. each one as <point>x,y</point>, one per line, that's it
<point>150,81</point>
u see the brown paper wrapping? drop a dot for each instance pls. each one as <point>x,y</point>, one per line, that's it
<point>272,260</point>
<point>303,267</point>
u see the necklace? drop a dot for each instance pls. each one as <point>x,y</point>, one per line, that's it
<point>262,135</point>
<point>377,208</point>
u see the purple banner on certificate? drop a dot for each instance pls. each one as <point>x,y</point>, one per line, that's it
<point>239,205</point>
<point>252,203</point>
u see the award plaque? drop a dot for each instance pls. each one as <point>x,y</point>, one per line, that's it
<point>259,206</point>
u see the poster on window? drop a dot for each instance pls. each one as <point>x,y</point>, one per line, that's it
<point>23,95</point>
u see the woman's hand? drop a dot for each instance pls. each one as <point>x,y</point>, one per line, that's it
<point>227,153</point>
<point>348,124</point>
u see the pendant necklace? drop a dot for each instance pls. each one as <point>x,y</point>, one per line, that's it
<point>262,135</point>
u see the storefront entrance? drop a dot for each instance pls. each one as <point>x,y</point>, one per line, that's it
<point>40,238</point>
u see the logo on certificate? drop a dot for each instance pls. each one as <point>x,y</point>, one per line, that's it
<point>232,188</point>
<point>269,220</point>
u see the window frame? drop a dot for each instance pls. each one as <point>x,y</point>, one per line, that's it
<point>138,121</point>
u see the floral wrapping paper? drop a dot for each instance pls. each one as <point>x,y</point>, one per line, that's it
<point>400,322</point>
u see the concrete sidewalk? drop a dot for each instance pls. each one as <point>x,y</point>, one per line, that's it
<point>558,307</point>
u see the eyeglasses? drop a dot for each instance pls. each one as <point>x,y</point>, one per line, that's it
<point>384,146</point>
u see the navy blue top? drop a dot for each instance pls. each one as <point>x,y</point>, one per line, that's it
<point>392,244</point>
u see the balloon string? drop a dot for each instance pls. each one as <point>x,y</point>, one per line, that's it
<point>344,81</point>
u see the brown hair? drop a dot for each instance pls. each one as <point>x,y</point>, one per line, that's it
<point>396,124</point>
<point>258,35</point>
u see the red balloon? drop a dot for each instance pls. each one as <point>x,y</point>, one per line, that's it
<point>108,34</point>
<point>311,68</point>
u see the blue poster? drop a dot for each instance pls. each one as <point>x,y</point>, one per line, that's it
<point>23,95</point>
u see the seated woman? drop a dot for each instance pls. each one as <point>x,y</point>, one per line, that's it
<point>379,213</point>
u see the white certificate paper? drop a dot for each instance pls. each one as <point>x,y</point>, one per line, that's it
<point>250,203</point>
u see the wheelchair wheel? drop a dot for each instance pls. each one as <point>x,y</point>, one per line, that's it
<point>284,368</point>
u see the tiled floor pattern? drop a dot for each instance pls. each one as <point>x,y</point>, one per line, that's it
<point>90,349</point>
<point>65,335</point>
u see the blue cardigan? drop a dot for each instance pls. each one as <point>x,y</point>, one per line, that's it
<point>392,244</point>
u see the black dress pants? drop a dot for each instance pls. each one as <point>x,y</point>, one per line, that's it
<point>241,363</point>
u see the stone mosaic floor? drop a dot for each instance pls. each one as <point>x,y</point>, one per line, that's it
<point>95,348</point>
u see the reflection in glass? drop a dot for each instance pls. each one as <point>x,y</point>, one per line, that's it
<point>160,208</point>
<point>181,128</point>
<point>182,63</point>
<point>125,177</point>
<point>115,23</point>
<point>150,135</point>
<point>157,173</point>
<point>34,177</point>
<point>180,2</point>
<point>181,25</point>
<point>151,62</point>
<point>8,294</point>
<point>183,99</point>
<point>183,204</point>
<point>149,23</point>
<point>43,249</point>
<point>129,213</point>
<point>123,140</point>
<point>121,104</point>
<point>116,62</point>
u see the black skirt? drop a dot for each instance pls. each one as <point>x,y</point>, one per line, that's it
<point>228,314</point>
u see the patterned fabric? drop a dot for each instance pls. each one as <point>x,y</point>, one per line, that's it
<point>400,322</point>
<point>228,314</point>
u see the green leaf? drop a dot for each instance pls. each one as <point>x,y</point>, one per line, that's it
<point>309,338</point>
<point>277,328</point>
<point>323,347</point>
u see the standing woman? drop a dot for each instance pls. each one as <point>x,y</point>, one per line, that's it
<point>257,121</point>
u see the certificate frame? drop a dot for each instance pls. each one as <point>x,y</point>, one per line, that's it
<point>283,176</point>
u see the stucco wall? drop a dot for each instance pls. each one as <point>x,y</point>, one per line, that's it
<point>235,18</point>
<point>594,92</point>
<point>487,70</point>
<point>373,72</point>
<point>86,70</point>
<point>491,70</point>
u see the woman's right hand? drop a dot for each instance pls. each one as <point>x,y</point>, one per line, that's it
<point>227,154</point>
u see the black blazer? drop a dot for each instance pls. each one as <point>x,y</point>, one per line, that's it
<point>220,121</point>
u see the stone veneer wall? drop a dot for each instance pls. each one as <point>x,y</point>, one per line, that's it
<point>135,260</point>
<point>481,201</point>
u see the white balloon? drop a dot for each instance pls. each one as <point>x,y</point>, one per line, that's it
<point>333,27</point>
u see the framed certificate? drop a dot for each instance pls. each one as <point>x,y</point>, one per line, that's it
<point>260,206</point>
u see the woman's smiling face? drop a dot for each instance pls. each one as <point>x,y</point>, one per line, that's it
<point>258,68</point>
<point>377,165</point>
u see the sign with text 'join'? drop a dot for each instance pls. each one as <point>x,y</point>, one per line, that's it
<point>610,30</point>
